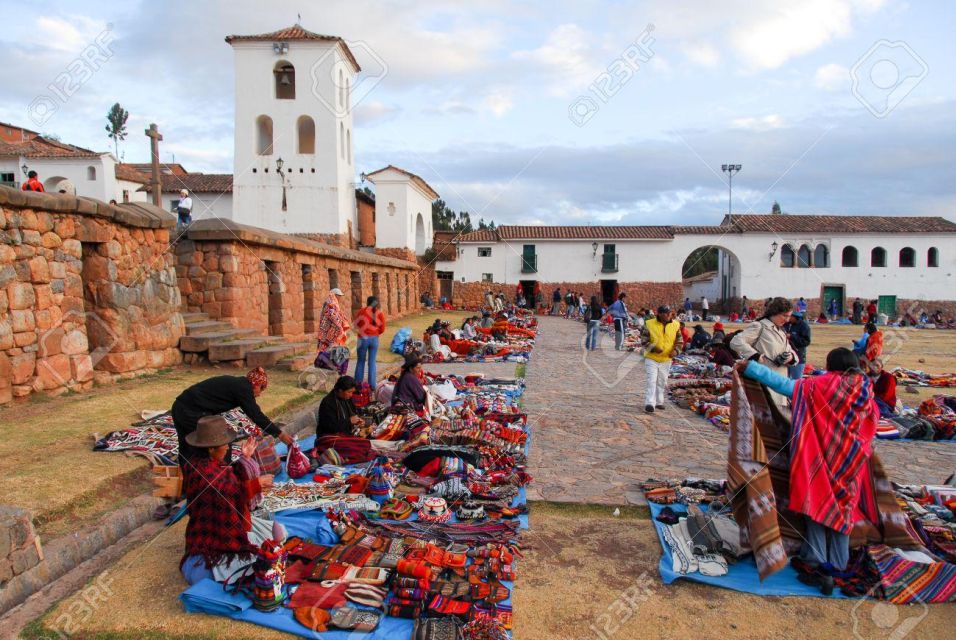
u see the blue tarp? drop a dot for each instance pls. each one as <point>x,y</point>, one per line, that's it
<point>741,576</point>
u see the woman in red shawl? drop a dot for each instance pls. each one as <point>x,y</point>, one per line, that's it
<point>333,329</point>
<point>834,419</point>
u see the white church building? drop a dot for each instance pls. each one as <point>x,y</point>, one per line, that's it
<point>294,154</point>
<point>900,261</point>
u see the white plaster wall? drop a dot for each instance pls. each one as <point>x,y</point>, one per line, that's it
<point>75,170</point>
<point>709,288</point>
<point>133,188</point>
<point>319,201</point>
<point>759,277</point>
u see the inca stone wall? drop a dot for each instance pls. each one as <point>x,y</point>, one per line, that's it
<point>87,290</point>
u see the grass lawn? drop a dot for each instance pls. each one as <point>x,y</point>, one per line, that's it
<point>46,456</point>
<point>417,322</point>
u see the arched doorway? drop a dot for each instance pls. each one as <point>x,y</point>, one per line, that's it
<point>52,184</point>
<point>419,235</point>
<point>713,272</point>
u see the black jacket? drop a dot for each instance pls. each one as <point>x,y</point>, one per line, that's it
<point>799,338</point>
<point>214,396</point>
<point>334,416</point>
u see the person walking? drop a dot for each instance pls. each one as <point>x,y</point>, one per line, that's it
<point>332,332</point>
<point>556,302</point>
<point>489,301</point>
<point>184,210</point>
<point>801,305</point>
<point>871,312</point>
<point>369,325</point>
<point>834,309</point>
<point>594,316</point>
<point>688,307</point>
<point>704,308</point>
<point>33,183</point>
<point>663,342</point>
<point>618,313</point>
<point>798,331</point>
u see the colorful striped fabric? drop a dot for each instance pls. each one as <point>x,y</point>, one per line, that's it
<point>903,581</point>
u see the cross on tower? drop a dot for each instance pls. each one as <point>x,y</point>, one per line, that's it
<point>155,184</point>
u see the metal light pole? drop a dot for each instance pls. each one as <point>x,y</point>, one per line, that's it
<point>730,170</point>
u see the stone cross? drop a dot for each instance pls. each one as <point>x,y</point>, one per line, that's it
<point>156,184</point>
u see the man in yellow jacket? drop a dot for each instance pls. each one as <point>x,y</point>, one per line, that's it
<point>662,342</point>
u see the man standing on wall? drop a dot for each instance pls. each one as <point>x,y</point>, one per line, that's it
<point>662,342</point>
<point>33,183</point>
<point>618,313</point>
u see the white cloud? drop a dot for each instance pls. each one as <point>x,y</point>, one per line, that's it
<point>832,77</point>
<point>792,30</point>
<point>375,111</point>
<point>702,53</point>
<point>499,102</point>
<point>567,56</point>
<point>764,123</point>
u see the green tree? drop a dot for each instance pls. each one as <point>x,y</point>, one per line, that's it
<point>700,261</point>
<point>116,127</point>
<point>446,219</point>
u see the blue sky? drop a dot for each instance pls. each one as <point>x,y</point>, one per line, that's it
<point>476,99</point>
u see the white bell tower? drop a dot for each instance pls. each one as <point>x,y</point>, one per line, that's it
<point>294,166</point>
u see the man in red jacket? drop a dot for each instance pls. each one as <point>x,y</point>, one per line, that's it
<point>369,325</point>
<point>33,183</point>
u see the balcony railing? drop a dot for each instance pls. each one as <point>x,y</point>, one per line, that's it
<point>609,263</point>
<point>529,263</point>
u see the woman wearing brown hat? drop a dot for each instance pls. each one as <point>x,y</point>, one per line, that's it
<point>219,498</point>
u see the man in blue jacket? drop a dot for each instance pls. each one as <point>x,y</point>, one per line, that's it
<point>618,313</point>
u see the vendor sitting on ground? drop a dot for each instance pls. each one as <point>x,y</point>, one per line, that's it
<point>719,334</point>
<point>870,346</point>
<point>220,537</point>
<point>700,338</point>
<point>409,390</point>
<point>834,423</point>
<point>721,355</point>
<point>884,385</point>
<point>468,328</point>
<point>486,320</point>
<point>218,395</point>
<point>336,412</point>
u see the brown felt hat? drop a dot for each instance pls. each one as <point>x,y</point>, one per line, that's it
<point>211,431</point>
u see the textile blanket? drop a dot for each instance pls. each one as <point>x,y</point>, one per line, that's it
<point>758,471</point>
<point>157,435</point>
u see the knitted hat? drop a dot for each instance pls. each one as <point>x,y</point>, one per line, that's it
<point>331,456</point>
<point>718,326</point>
<point>258,378</point>
<point>434,510</point>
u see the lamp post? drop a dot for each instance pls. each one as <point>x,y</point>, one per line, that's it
<point>730,170</point>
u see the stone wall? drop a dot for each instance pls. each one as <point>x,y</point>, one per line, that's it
<point>19,545</point>
<point>87,290</point>
<point>639,294</point>
<point>276,284</point>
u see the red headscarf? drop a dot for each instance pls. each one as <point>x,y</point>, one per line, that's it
<point>258,378</point>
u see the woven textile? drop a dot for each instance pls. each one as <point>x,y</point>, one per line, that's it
<point>903,581</point>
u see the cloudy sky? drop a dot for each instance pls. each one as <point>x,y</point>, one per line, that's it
<point>547,112</point>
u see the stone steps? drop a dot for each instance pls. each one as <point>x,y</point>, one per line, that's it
<point>197,343</point>
<point>194,316</point>
<point>237,349</point>
<point>269,356</point>
<point>206,326</point>
<point>296,362</point>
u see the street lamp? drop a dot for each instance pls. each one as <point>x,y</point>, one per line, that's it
<point>279,164</point>
<point>773,250</point>
<point>730,170</point>
<point>25,168</point>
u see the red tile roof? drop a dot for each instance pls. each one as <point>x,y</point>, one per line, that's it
<point>296,32</point>
<point>130,174</point>
<point>569,232</point>
<point>166,169</point>
<point>798,223</point>
<point>196,183</point>
<point>40,147</point>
